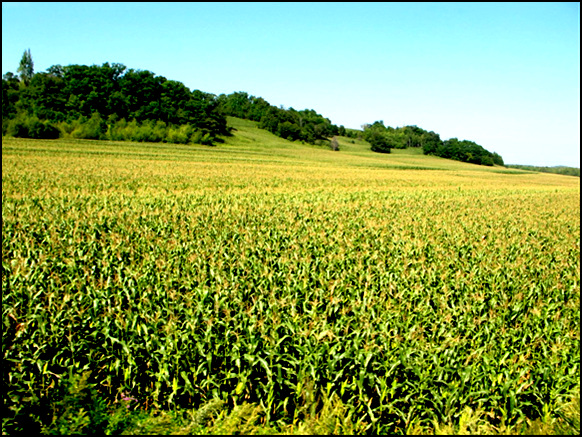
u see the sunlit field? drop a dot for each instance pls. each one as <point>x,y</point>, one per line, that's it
<point>312,290</point>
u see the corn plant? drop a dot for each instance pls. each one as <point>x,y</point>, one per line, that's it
<point>177,278</point>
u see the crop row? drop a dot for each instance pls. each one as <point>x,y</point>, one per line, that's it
<point>407,307</point>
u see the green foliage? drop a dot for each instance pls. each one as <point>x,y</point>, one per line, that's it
<point>563,170</point>
<point>69,405</point>
<point>150,131</point>
<point>241,105</point>
<point>305,125</point>
<point>384,138</point>
<point>79,98</point>
<point>465,151</point>
<point>30,127</point>
<point>497,159</point>
<point>94,128</point>
<point>179,134</point>
<point>76,408</point>
<point>473,422</point>
<point>379,142</point>
<point>10,90</point>
<point>85,96</point>
<point>379,138</point>
<point>430,142</point>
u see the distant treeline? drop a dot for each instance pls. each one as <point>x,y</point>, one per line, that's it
<point>311,127</point>
<point>384,138</point>
<point>116,103</point>
<point>107,102</point>
<point>112,102</point>
<point>568,171</point>
<point>306,125</point>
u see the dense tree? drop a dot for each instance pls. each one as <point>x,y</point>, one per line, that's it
<point>376,134</point>
<point>10,88</point>
<point>430,142</point>
<point>78,93</point>
<point>305,125</point>
<point>465,151</point>
<point>383,138</point>
<point>111,101</point>
<point>45,96</point>
<point>497,159</point>
<point>237,104</point>
<point>412,136</point>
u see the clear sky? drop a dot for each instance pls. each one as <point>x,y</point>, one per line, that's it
<point>505,75</point>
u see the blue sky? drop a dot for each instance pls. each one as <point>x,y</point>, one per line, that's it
<point>505,75</point>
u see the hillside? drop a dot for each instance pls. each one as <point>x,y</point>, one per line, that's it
<point>111,102</point>
<point>250,144</point>
<point>255,157</point>
<point>250,141</point>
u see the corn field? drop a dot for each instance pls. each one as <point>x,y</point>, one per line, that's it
<point>181,278</point>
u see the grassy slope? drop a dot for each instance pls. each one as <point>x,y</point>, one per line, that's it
<point>257,147</point>
<point>352,165</point>
<point>249,139</point>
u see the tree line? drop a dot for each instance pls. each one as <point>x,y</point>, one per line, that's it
<point>106,102</point>
<point>384,138</point>
<point>305,125</point>
<point>116,103</point>
<point>560,169</point>
<point>113,102</point>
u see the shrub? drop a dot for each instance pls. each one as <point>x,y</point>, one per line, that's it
<point>179,134</point>
<point>116,130</point>
<point>93,129</point>
<point>31,127</point>
<point>207,139</point>
<point>175,136</point>
<point>196,137</point>
<point>159,131</point>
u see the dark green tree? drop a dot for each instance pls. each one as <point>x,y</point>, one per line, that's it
<point>47,97</point>
<point>107,99</point>
<point>305,125</point>
<point>412,136</point>
<point>377,135</point>
<point>9,95</point>
<point>288,130</point>
<point>497,159</point>
<point>430,142</point>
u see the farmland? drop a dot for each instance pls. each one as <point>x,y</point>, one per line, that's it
<point>401,289</point>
